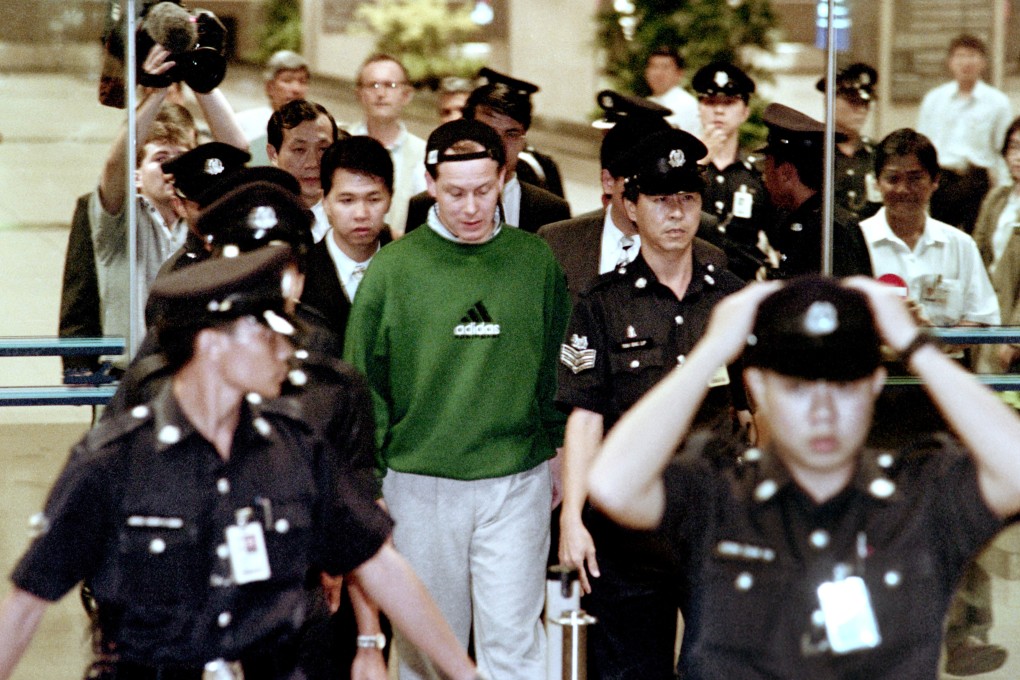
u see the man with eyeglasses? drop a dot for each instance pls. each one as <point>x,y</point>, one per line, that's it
<point>384,89</point>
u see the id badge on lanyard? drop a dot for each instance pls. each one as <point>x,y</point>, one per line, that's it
<point>246,542</point>
<point>845,603</point>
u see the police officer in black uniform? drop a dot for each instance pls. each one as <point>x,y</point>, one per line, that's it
<point>734,190</point>
<point>793,177</point>
<point>815,556</point>
<point>196,517</point>
<point>633,327</point>
<point>854,183</point>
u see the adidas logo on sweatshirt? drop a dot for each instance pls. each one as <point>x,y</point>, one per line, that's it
<point>476,324</point>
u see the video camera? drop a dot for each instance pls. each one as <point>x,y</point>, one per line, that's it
<point>195,40</point>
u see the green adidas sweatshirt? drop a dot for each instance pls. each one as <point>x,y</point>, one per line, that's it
<point>459,344</point>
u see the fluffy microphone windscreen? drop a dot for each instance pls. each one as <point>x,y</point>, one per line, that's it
<point>171,26</point>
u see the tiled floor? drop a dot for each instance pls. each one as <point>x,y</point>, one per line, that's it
<point>55,138</point>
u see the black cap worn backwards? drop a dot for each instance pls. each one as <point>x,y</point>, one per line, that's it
<point>618,108</point>
<point>195,170</point>
<point>722,79</point>
<point>816,329</point>
<point>793,133</point>
<point>449,134</point>
<point>856,82</point>
<point>519,87</point>
<point>254,215</point>
<point>665,162</point>
<point>212,292</point>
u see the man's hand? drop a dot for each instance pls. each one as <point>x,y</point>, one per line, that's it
<point>894,319</point>
<point>733,318</point>
<point>369,664</point>
<point>332,590</point>
<point>155,63</point>
<point>577,550</point>
<point>714,140</point>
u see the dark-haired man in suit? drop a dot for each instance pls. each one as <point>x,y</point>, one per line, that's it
<point>357,184</point>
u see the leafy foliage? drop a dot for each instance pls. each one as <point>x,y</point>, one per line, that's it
<point>282,29</point>
<point>424,34</point>
<point>703,31</point>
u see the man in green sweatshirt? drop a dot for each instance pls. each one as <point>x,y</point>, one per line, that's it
<point>458,329</point>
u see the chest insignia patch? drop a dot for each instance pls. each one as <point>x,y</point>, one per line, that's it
<point>576,356</point>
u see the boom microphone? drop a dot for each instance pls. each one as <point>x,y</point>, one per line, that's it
<point>171,26</point>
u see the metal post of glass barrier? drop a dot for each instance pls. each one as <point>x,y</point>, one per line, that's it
<point>130,78</point>
<point>828,193</point>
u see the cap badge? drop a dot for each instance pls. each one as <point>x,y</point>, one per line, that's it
<point>676,158</point>
<point>722,78</point>
<point>263,217</point>
<point>213,166</point>
<point>606,102</point>
<point>865,79</point>
<point>433,157</point>
<point>820,319</point>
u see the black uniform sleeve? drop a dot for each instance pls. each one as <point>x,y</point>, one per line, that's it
<point>584,361</point>
<point>351,527</point>
<point>73,530</point>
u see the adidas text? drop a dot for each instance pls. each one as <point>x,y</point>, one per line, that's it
<point>476,330</point>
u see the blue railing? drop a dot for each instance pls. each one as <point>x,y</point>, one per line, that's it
<point>58,395</point>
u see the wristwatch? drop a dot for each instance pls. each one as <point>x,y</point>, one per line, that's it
<point>377,641</point>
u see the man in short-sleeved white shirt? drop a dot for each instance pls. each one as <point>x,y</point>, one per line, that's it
<point>664,72</point>
<point>940,264</point>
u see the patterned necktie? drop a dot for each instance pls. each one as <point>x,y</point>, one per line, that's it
<point>359,271</point>
<point>626,243</point>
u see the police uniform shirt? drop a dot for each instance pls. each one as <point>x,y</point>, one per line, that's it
<point>799,240</point>
<point>718,197</point>
<point>628,331</point>
<point>140,512</point>
<point>850,185</point>
<point>758,548</point>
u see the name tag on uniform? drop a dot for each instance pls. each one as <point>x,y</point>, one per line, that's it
<point>719,378</point>
<point>871,188</point>
<point>743,203</point>
<point>934,290</point>
<point>850,623</point>
<point>249,559</point>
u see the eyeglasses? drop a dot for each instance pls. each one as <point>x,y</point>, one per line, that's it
<point>382,85</point>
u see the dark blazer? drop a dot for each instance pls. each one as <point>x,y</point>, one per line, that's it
<point>577,243</point>
<point>538,207</point>
<point>79,293</point>
<point>323,291</point>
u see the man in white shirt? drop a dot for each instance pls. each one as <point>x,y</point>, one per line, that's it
<point>384,89</point>
<point>664,71</point>
<point>297,135</point>
<point>947,285</point>
<point>286,75</point>
<point>357,182</point>
<point>940,264</point>
<point>966,119</point>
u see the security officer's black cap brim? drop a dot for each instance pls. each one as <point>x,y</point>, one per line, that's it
<point>261,173</point>
<point>254,215</point>
<point>620,108</point>
<point>664,163</point>
<point>722,79</point>
<point>521,87</point>
<point>816,329</point>
<point>792,132</point>
<point>219,291</point>
<point>206,164</point>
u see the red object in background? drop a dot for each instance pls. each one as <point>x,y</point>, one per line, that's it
<point>895,281</point>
